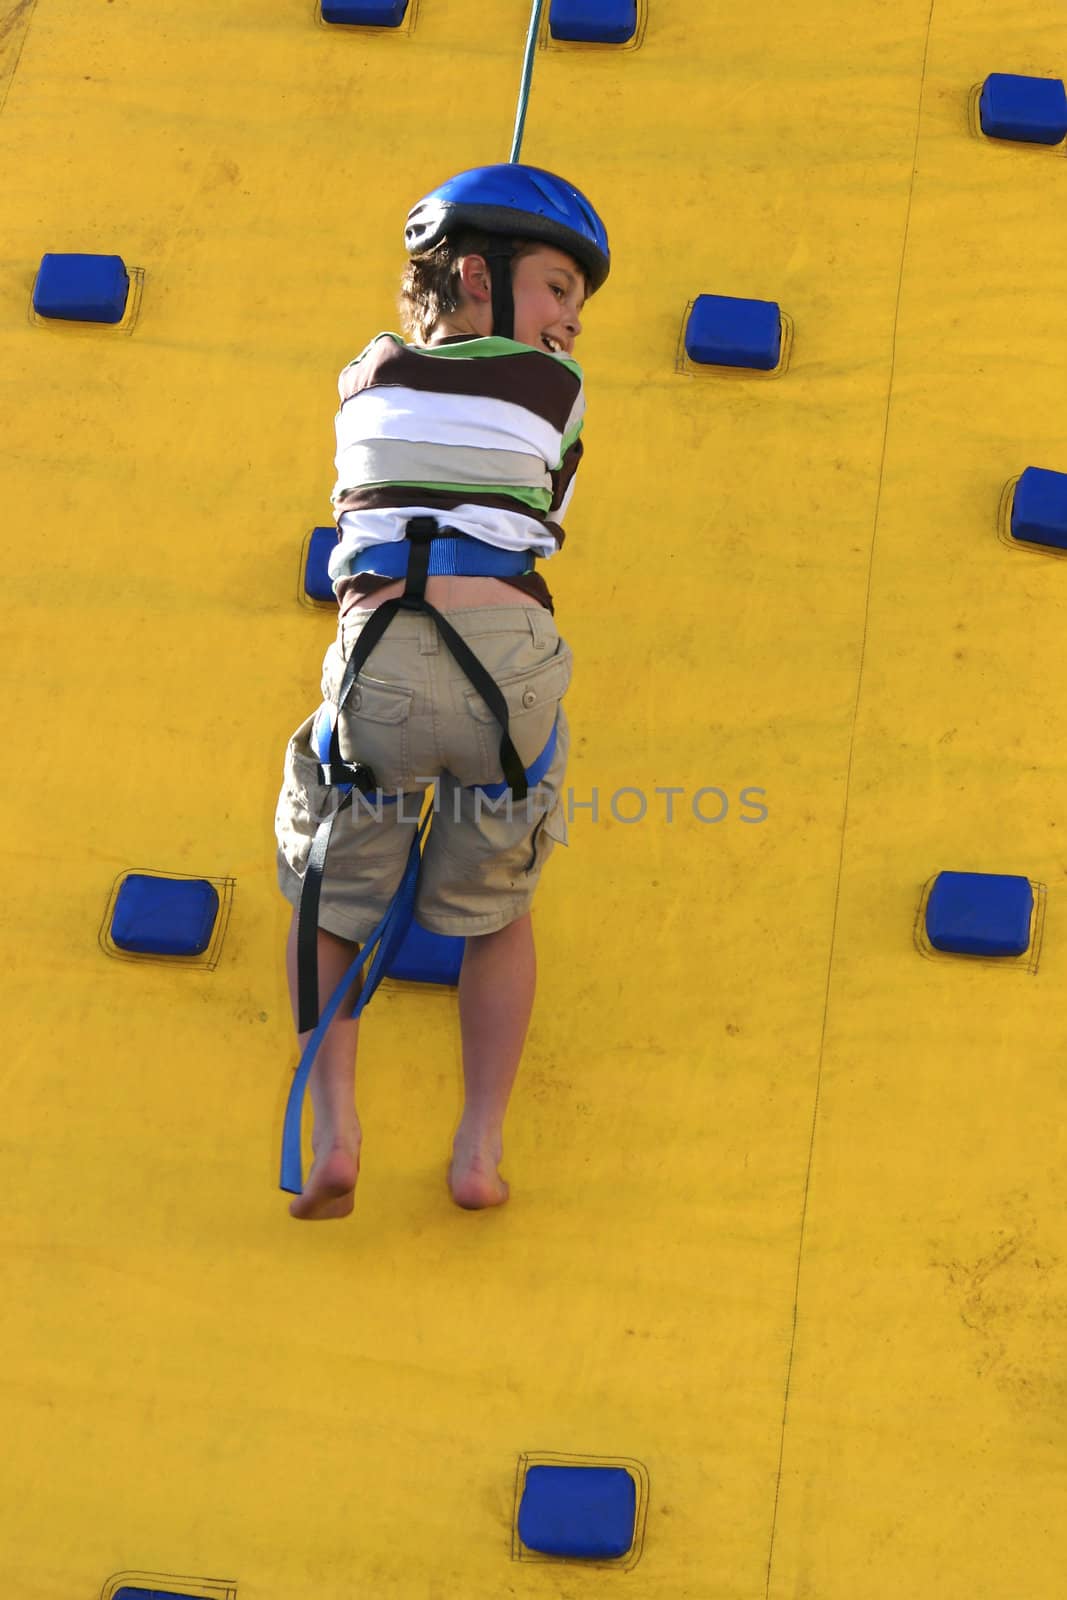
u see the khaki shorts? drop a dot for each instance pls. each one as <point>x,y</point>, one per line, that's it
<point>416,720</point>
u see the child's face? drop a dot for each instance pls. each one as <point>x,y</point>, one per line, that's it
<point>548,287</point>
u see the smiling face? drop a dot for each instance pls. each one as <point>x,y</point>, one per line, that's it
<point>549,292</point>
<point>548,288</point>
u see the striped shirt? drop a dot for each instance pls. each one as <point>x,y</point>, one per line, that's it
<point>482,433</point>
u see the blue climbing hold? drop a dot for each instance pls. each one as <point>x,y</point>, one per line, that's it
<point>321,546</point>
<point>725,332</point>
<point>1030,109</point>
<point>593,21</point>
<point>164,916</point>
<point>80,288</point>
<point>587,1513</point>
<point>980,914</point>
<point>426,957</point>
<point>1039,508</point>
<point>365,13</point>
<point>138,1592</point>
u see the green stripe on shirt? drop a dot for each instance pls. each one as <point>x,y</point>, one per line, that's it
<point>538,499</point>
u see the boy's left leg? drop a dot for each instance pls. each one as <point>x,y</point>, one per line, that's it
<point>330,1187</point>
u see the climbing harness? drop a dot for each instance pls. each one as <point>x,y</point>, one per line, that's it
<point>420,534</point>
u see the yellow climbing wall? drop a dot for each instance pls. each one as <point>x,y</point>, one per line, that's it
<point>787,1225</point>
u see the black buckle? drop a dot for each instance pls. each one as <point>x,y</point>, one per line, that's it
<point>357,773</point>
<point>419,534</point>
<point>420,530</point>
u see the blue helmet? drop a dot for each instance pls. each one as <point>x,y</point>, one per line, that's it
<point>521,202</point>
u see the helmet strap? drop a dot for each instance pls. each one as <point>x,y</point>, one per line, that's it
<point>499,257</point>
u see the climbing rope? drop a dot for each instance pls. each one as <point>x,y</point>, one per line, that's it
<point>527,77</point>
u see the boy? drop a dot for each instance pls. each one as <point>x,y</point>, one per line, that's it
<point>455,459</point>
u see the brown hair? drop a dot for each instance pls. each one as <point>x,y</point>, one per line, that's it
<point>429,288</point>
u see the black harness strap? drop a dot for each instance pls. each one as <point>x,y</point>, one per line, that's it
<point>307,923</point>
<point>420,532</point>
<point>491,693</point>
<point>499,256</point>
<point>335,769</point>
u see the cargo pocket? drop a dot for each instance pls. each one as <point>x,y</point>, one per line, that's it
<point>375,730</point>
<point>532,699</point>
<point>550,831</point>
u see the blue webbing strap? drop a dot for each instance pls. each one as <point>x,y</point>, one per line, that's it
<point>385,941</point>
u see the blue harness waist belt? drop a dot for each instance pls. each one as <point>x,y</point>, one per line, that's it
<point>415,559</point>
<point>450,553</point>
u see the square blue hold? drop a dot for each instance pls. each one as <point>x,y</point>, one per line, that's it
<point>724,332</point>
<point>321,546</point>
<point>82,288</point>
<point>980,914</point>
<point>1030,109</point>
<point>586,1513</point>
<point>426,957</point>
<point>1039,509</point>
<point>164,916</point>
<point>593,21</point>
<point>365,13</point>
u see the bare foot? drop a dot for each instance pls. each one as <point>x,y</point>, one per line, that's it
<point>474,1180</point>
<point>330,1190</point>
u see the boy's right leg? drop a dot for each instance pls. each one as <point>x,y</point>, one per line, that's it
<point>329,1190</point>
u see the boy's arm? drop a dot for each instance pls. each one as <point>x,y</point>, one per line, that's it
<point>563,475</point>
